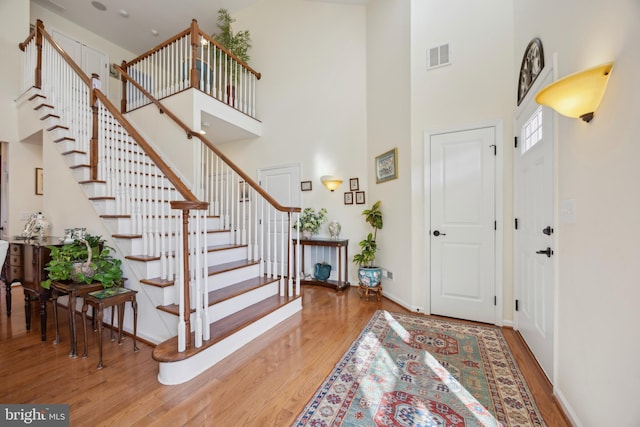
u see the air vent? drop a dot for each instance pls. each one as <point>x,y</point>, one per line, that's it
<point>438,56</point>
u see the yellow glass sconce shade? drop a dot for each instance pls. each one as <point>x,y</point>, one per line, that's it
<point>577,95</point>
<point>331,182</point>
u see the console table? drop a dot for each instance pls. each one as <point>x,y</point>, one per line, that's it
<point>342,259</point>
<point>26,263</point>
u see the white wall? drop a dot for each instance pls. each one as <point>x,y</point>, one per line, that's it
<point>18,176</point>
<point>597,340</point>
<point>311,100</point>
<point>388,126</point>
<point>114,53</point>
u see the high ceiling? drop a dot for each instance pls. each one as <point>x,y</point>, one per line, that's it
<point>133,24</point>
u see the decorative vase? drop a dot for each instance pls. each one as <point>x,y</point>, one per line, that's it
<point>334,229</point>
<point>370,277</point>
<point>322,271</point>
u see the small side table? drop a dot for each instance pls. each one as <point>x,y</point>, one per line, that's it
<point>74,290</point>
<point>100,300</point>
<point>366,291</point>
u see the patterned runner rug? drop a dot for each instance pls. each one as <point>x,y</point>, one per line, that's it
<point>409,370</point>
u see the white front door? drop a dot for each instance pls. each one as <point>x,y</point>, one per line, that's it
<point>283,184</point>
<point>462,230</point>
<point>534,235</point>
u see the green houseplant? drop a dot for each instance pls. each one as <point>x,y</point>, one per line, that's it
<point>368,274</point>
<point>310,221</point>
<point>237,43</point>
<point>84,261</point>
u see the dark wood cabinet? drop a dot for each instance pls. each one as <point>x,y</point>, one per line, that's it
<point>27,260</point>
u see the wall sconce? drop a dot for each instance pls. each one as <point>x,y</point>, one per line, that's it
<point>577,95</point>
<point>331,182</point>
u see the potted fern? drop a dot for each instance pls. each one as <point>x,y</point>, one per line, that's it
<point>368,274</point>
<point>237,43</point>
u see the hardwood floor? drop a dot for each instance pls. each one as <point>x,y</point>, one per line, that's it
<point>266,383</point>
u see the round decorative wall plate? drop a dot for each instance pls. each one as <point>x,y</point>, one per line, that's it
<point>532,64</point>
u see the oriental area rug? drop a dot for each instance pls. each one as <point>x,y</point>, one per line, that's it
<point>410,370</point>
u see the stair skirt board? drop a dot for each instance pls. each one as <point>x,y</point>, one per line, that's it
<point>172,373</point>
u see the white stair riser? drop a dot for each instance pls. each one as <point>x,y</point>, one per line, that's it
<point>74,159</point>
<point>124,225</point>
<point>227,255</point>
<point>186,369</point>
<point>221,280</point>
<point>95,189</point>
<point>230,306</point>
<point>81,174</point>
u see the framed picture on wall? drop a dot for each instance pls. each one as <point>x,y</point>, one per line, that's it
<point>387,166</point>
<point>354,184</point>
<point>305,186</point>
<point>359,197</point>
<point>348,198</point>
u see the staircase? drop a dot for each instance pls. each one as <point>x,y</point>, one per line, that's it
<point>212,266</point>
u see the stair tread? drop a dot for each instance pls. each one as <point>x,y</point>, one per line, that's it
<point>227,292</point>
<point>167,351</point>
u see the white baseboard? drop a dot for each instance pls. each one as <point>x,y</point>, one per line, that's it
<point>567,408</point>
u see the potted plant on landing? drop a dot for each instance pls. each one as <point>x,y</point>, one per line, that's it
<point>368,275</point>
<point>310,221</point>
<point>84,261</point>
<point>237,43</point>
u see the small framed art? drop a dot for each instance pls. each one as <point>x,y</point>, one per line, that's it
<point>39,181</point>
<point>387,166</point>
<point>354,184</point>
<point>359,197</point>
<point>305,186</point>
<point>348,198</point>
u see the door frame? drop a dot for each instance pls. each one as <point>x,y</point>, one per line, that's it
<point>498,125</point>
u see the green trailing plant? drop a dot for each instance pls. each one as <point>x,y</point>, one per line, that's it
<point>368,246</point>
<point>83,261</point>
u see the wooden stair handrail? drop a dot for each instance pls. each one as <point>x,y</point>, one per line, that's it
<point>191,133</point>
<point>195,30</point>
<point>97,94</point>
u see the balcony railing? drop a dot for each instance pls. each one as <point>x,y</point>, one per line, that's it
<point>191,59</point>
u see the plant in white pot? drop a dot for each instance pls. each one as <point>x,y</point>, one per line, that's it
<point>310,221</point>
<point>368,274</point>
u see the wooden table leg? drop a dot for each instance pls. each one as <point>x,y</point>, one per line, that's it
<point>43,316</point>
<point>54,301</point>
<point>27,310</point>
<point>72,325</point>
<point>8,297</point>
<point>85,306</point>
<point>120,321</point>
<point>134,305</point>
<point>100,315</point>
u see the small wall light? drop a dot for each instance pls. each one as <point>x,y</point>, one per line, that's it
<point>331,182</point>
<point>579,94</point>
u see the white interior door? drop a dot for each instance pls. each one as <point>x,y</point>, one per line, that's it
<point>89,59</point>
<point>534,240</point>
<point>283,184</point>
<point>462,231</point>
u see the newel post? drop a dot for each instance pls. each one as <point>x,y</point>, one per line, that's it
<point>93,149</point>
<point>195,42</point>
<point>123,100</point>
<point>38,77</point>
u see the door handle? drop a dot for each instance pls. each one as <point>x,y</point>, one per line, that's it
<point>548,252</point>
<point>547,230</point>
<point>438,233</point>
